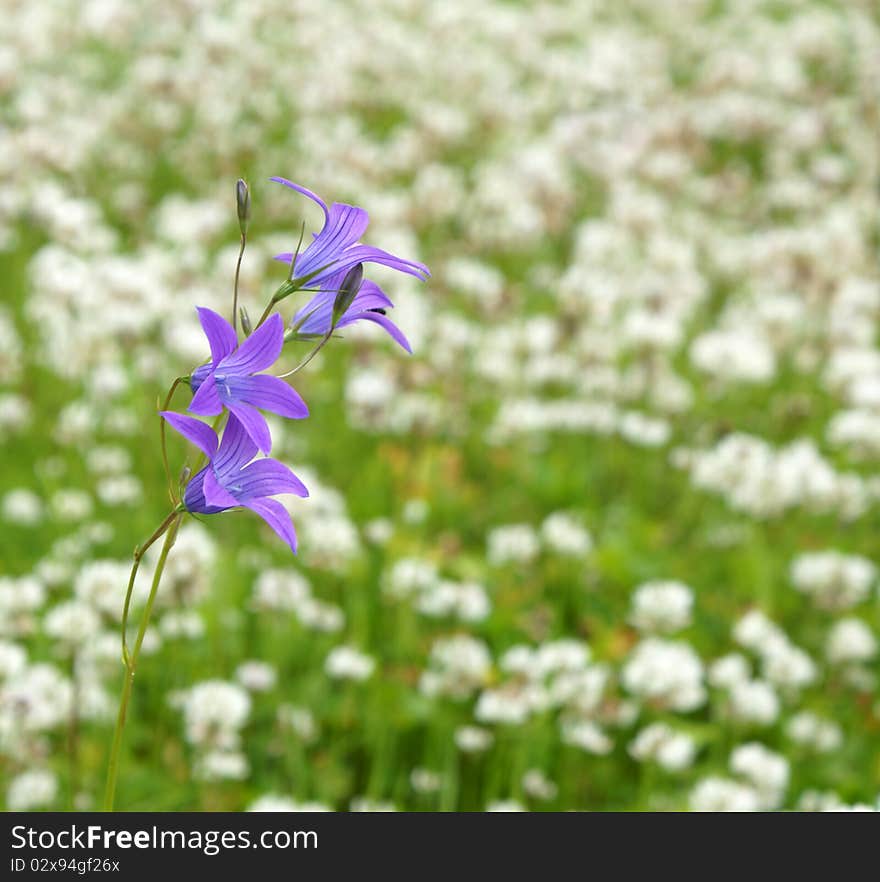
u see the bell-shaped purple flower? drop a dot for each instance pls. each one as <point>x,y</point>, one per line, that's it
<point>369,304</point>
<point>336,249</point>
<point>233,377</point>
<point>233,478</point>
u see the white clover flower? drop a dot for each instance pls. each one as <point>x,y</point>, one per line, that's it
<point>850,641</point>
<point>189,569</point>
<point>300,720</point>
<point>13,659</point>
<point>466,600</point>
<point>349,663</point>
<point>20,599</point>
<point>730,669</point>
<point>31,790</point>
<point>588,736</point>
<point>564,534</point>
<point>22,507</point>
<point>185,624</point>
<point>71,505</point>
<point>457,667</point>
<point>72,623</point>
<point>15,411</point>
<point>379,530</point>
<point>320,616</point>
<point>256,676</point>
<point>857,430</point>
<point>672,750</point>
<point>513,543</point>
<point>331,540</point>
<point>754,701</point>
<point>766,771</point>
<point>832,580</point>
<point>756,632</point>
<point>506,805</point>
<point>410,575</point>
<point>281,590</point>
<point>638,428</point>
<point>662,607</point>
<point>537,785</point>
<point>118,490</point>
<point>473,739</point>
<point>581,690</point>
<point>39,697</point>
<point>508,706</point>
<point>668,674</point>
<point>787,666</point>
<point>716,794</point>
<point>561,655</point>
<point>425,781</point>
<point>214,711</point>
<point>808,729</point>
<point>102,584</point>
<point>222,765</point>
<point>734,356</point>
<point>272,803</point>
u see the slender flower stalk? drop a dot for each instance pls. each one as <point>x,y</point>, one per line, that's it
<point>234,386</point>
<point>131,665</point>
<point>243,208</point>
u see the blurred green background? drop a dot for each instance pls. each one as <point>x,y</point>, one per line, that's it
<point>605,541</point>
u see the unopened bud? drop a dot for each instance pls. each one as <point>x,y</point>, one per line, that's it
<point>351,284</point>
<point>246,325</point>
<point>243,204</point>
<point>185,472</point>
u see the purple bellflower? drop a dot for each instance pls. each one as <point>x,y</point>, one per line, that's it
<point>233,478</point>
<point>369,304</point>
<point>336,248</point>
<point>232,379</point>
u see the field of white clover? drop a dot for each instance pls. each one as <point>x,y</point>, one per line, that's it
<point>607,540</point>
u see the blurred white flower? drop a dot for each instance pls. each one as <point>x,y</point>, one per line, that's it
<point>349,663</point>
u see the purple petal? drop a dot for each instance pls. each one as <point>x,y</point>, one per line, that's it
<point>254,424</point>
<point>267,393</point>
<point>194,495</point>
<point>383,320</point>
<point>216,495</point>
<point>236,450</point>
<point>369,254</point>
<point>370,296</point>
<point>259,352</point>
<point>221,337</point>
<point>315,315</point>
<point>266,477</point>
<point>206,402</point>
<point>299,189</point>
<point>277,517</point>
<point>199,375</point>
<point>200,434</point>
<point>345,225</point>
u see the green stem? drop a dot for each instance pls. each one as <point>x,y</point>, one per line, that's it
<point>131,663</point>
<point>139,552</point>
<point>235,285</point>
<point>310,356</point>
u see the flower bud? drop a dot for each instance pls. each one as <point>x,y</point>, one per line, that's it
<point>246,325</point>
<point>351,284</point>
<point>243,204</point>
